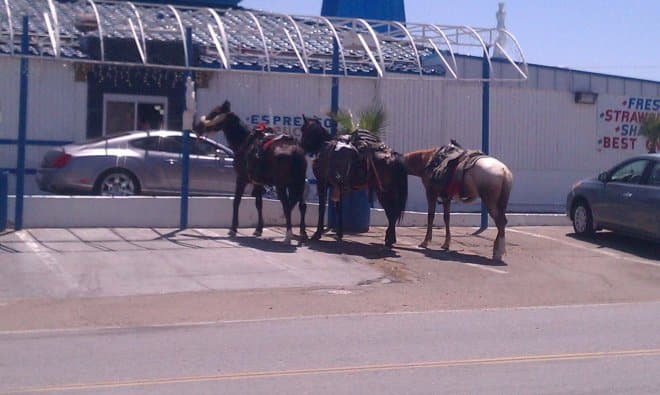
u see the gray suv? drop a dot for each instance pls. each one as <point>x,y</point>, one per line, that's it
<point>625,199</point>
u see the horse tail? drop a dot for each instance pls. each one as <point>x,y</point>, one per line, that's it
<point>400,184</point>
<point>507,185</point>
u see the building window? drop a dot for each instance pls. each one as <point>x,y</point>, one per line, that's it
<point>133,112</point>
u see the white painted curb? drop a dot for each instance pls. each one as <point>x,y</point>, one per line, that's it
<point>208,212</point>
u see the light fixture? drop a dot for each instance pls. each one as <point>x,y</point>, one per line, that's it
<point>586,97</point>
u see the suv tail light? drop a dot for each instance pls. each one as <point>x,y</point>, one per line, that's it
<point>61,161</point>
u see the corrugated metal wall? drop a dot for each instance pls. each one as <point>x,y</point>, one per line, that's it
<point>536,128</point>
<point>56,109</point>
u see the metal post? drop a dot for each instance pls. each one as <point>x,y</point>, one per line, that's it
<point>22,128</point>
<point>4,197</point>
<point>485,125</point>
<point>185,164</point>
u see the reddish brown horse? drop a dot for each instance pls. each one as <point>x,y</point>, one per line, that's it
<point>346,167</point>
<point>276,160</point>
<point>487,178</point>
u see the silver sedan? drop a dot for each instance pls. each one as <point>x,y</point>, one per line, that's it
<point>140,162</point>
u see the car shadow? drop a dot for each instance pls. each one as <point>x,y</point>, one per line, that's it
<point>639,247</point>
<point>455,256</point>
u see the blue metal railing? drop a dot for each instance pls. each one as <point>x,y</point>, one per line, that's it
<point>4,199</point>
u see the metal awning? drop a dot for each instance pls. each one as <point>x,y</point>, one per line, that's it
<point>106,31</point>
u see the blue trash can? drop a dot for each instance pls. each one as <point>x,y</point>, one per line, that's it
<point>356,211</point>
<point>4,199</point>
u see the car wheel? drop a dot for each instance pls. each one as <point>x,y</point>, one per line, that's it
<point>117,182</point>
<point>583,222</point>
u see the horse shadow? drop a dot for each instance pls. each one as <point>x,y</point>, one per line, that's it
<point>350,247</point>
<point>455,256</point>
<point>266,244</point>
<point>630,245</point>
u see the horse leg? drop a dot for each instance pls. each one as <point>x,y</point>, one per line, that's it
<point>499,217</point>
<point>431,200</point>
<point>238,194</point>
<point>302,206</point>
<point>322,189</point>
<point>258,203</point>
<point>388,206</point>
<point>283,196</point>
<point>446,207</point>
<point>340,216</point>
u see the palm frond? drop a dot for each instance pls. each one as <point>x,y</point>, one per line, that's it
<point>650,128</point>
<point>344,119</point>
<point>373,118</point>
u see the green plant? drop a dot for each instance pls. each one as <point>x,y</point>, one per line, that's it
<point>650,128</point>
<point>373,118</point>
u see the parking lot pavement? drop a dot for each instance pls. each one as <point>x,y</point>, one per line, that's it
<point>131,276</point>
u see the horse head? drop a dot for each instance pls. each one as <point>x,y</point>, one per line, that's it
<point>313,135</point>
<point>222,118</point>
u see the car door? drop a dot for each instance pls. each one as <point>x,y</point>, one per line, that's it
<point>621,194</point>
<point>157,166</point>
<point>646,202</point>
<point>169,158</point>
<point>211,168</point>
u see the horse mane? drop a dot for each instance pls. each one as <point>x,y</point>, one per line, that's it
<point>236,131</point>
<point>314,135</point>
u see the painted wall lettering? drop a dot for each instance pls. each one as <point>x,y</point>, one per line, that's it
<point>619,120</point>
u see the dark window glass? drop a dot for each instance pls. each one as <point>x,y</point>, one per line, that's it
<point>147,143</point>
<point>630,173</point>
<point>171,144</point>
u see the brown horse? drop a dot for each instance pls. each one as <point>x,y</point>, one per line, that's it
<point>345,166</point>
<point>487,178</point>
<point>261,160</point>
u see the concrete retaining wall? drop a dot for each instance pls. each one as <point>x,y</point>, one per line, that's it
<point>206,212</point>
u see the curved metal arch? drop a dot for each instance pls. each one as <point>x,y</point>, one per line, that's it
<point>98,23</point>
<point>53,28</point>
<point>339,44</point>
<point>11,26</point>
<point>375,38</point>
<point>183,34</point>
<point>224,57</point>
<point>300,38</point>
<point>302,61</point>
<point>139,17</point>
<point>412,43</point>
<point>524,73</point>
<point>140,44</point>
<point>483,45</point>
<point>451,50</point>
<point>263,37</point>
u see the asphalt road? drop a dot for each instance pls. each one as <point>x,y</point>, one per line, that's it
<point>604,349</point>
<point>195,311</point>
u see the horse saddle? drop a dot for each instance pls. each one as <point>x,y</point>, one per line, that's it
<point>448,166</point>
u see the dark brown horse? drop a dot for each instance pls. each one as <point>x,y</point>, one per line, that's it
<point>487,178</point>
<point>345,166</point>
<point>261,160</point>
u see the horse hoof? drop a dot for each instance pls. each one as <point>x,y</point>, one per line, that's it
<point>423,245</point>
<point>232,232</point>
<point>303,238</point>
<point>257,233</point>
<point>445,247</point>
<point>316,236</point>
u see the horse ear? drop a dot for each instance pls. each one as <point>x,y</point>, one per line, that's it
<point>304,118</point>
<point>226,106</point>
